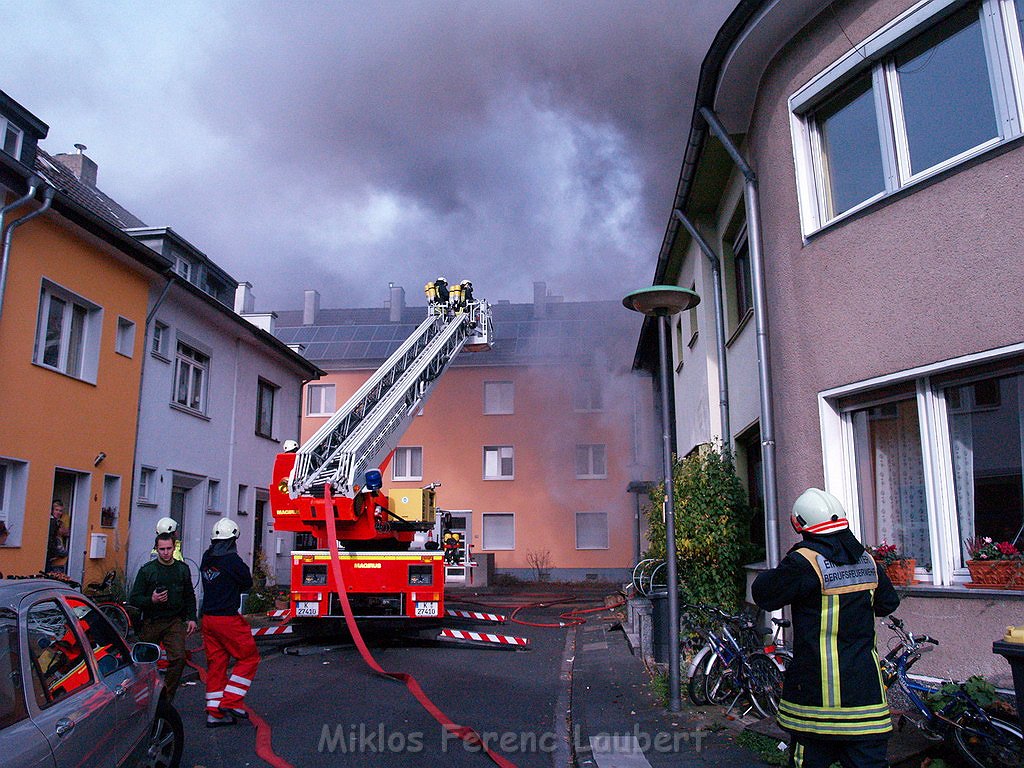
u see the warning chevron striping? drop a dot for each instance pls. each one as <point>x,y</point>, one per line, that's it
<point>281,613</point>
<point>475,615</point>
<point>287,629</point>
<point>482,637</point>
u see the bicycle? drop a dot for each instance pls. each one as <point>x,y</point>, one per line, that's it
<point>119,612</point>
<point>984,741</point>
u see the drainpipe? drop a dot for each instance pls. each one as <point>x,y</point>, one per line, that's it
<point>723,373</point>
<point>5,259</point>
<point>753,210</point>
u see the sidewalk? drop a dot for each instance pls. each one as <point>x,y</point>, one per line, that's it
<point>617,720</point>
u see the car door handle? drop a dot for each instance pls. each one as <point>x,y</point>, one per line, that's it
<point>121,690</point>
<point>65,725</point>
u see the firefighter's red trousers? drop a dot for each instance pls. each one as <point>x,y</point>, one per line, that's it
<point>224,638</point>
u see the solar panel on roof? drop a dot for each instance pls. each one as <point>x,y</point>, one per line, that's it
<point>377,349</point>
<point>300,335</point>
<point>384,332</point>
<point>315,351</point>
<point>324,334</point>
<point>363,332</point>
<point>356,349</point>
<point>344,332</point>
<point>336,350</point>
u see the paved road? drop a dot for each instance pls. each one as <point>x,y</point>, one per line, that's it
<point>325,707</point>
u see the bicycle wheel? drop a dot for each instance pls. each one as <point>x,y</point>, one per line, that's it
<point>764,684</point>
<point>723,681</point>
<point>991,743</point>
<point>118,616</point>
<point>696,686</point>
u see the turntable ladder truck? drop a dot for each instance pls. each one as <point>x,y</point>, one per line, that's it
<point>384,579</point>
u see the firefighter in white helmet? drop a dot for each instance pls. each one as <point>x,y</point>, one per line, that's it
<point>833,702</point>
<point>164,526</point>
<point>226,635</point>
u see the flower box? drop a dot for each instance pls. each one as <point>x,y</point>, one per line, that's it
<point>996,574</point>
<point>901,572</point>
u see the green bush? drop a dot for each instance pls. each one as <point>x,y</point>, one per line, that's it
<point>710,513</point>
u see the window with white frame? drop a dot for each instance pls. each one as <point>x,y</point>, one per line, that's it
<point>191,372</point>
<point>265,394</point>
<point>68,333</point>
<point>161,336</point>
<point>591,461</point>
<point>212,495</point>
<point>320,400</point>
<point>587,392</point>
<point>938,85</point>
<point>499,397</point>
<point>740,286</point>
<point>407,463</point>
<point>125,342</point>
<point>183,267</point>
<point>499,530</point>
<point>13,136</point>
<point>499,462</point>
<point>936,459</point>
<point>13,489</point>
<point>147,485</point>
<point>591,530</point>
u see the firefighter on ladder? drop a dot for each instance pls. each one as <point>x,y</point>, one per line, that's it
<point>226,634</point>
<point>833,701</point>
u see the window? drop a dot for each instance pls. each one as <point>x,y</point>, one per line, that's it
<point>183,267</point>
<point>499,397</point>
<point>591,461</point>
<point>587,395</point>
<point>499,462</point>
<point>161,334</point>
<point>12,698</point>
<point>111,501</point>
<point>147,487</point>
<point>591,530</point>
<point>191,370</point>
<point>3,493</point>
<point>742,287</point>
<point>499,530</point>
<point>68,332</point>
<point>13,136</point>
<point>107,644</point>
<point>13,489</point>
<point>265,392</point>
<point>320,400</point>
<point>692,313</point>
<point>125,344</point>
<point>243,500</point>
<point>892,112</point>
<point>407,464</point>
<point>212,495</point>
<point>935,457</point>
<point>57,654</point>
<point>680,343</point>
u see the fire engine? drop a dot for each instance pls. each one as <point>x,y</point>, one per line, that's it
<point>384,578</point>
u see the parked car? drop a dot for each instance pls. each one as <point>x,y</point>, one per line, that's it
<point>73,694</point>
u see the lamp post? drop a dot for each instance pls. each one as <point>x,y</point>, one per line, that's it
<point>661,302</point>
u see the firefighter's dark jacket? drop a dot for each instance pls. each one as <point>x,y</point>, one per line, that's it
<point>833,687</point>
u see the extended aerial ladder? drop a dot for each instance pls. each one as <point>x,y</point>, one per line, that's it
<point>348,454</point>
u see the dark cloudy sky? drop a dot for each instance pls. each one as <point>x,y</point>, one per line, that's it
<point>340,146</point>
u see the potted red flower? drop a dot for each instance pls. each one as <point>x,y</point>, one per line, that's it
<point>994,564</point>
<point>899,569</point>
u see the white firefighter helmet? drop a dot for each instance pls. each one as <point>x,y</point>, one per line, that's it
<point>224,528</point>
<point>817,511</point>
<point>166,525</point>
<point>290,446</point>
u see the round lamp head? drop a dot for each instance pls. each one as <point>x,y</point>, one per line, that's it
<point>661,300</point>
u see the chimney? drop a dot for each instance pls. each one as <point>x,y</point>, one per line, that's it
<point>311,308</point>
<point>85,170</point>
<point>540,295</point>
<point>245,302</point>
<point>396,302</point>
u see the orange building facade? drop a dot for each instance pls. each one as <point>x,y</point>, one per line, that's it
<point>71,333</point>
<point>538,445</point>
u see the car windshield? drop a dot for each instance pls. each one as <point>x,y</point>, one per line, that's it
<point>12,697</point>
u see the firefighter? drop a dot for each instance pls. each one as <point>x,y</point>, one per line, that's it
<point>226,634</point>
<point>833,701</point>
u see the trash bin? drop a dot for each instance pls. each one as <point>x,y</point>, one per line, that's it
<point>1011,648</point>
<point>659,626</point>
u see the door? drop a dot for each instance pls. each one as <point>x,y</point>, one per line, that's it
<point>456,560</point>
<point>261,525</point>
<point>116,671</point>
<point>73,710</point>
<point>70,490</point>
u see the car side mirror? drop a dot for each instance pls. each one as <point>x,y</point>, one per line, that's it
<point>145,653</point>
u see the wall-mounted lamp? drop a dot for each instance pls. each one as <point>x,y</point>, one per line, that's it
<point>99,458</point>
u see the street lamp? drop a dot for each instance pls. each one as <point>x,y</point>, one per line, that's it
<point>663,301</point>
